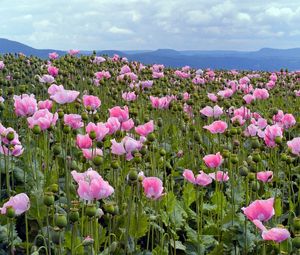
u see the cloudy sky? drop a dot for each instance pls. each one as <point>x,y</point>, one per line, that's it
<point>152,24</point>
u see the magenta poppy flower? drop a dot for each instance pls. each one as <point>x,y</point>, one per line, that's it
<point>261,94</point>
<point>90,153</point>
<point>271,132</point>
<point>129,96</point>
<point>65,96</point>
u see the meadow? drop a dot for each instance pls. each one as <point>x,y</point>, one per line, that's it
<point>99,155</point>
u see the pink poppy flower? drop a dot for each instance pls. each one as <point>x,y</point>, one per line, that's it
<point>43,118</point>
<point>46,78</point>
<point>153,187</point>
<point>73,52</point>
<point>271,132</point>
<point>214,112</point>
<point>145,129</point>
<point>90,153</point>
<point>52,70</point>
<point>20,203</point>
<point>2,65</point>
<point>100,129</point>
<point>220,176</point>
<point>46,104</point>
<point>288,121</point>
<point>203,179</point>
<point>213,160</point>
<point>212,97</point>
<point>65,96</point>
<point>84,141</point>
<point>125,69</point>
<point>277,235</point>
<point>261,94</point>
<point>127,125</point>
<point>189,175</point>
<point>73,121</point>
<point>119,113</point>
<point>53,55</point>
<point>113,125</point>
<point>129,96</point>
<point>96,188</point>
<point>91,101</point>
<point>248,98</point>
<point>294,146</point>
<point>25,105</point>
<point>217,127</point>
<point>265,176</point>
<point>261,210</point>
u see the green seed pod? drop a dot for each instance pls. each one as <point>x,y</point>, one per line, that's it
<point>36,129</point>
<point>54,188</point>
<point>115,164</point>
<point>296,223</point>
<point>151,137</point>
<point>296,242</point>
<point>255,186</point>
<point>162,152</point>
<point>10,136</point>
<point>243,171</point>
<point>90,210</point>
<point>132,175</point>
<point>67,129</point>
<point>234,159</point>
<point>278,140</point>
<point>84,116</point>
<point>56,149</point>
<point>10,212</point>
<point>98,160</point>
<point>61,220</point>
<point>92,135</point>
<point>48,198</point>
<point>55,235</point>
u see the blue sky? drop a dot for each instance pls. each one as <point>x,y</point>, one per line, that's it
<point>145,24</point>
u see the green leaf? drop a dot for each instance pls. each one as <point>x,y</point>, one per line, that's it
<point>138,225</point>
<point>189,194</point>
<point>178,245</point>
<point>278,207</point>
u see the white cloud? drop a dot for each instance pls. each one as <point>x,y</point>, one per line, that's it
<point>146,24</point>
<point>119,30</point>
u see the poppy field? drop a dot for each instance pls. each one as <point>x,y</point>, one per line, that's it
<point>99,155</point>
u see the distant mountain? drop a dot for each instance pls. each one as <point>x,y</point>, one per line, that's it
<point>264,59</point>
<point>8,46</point>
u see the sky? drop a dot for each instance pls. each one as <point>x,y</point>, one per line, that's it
<point>144,24</point>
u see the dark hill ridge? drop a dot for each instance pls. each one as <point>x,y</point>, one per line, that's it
<point>264,59</point>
